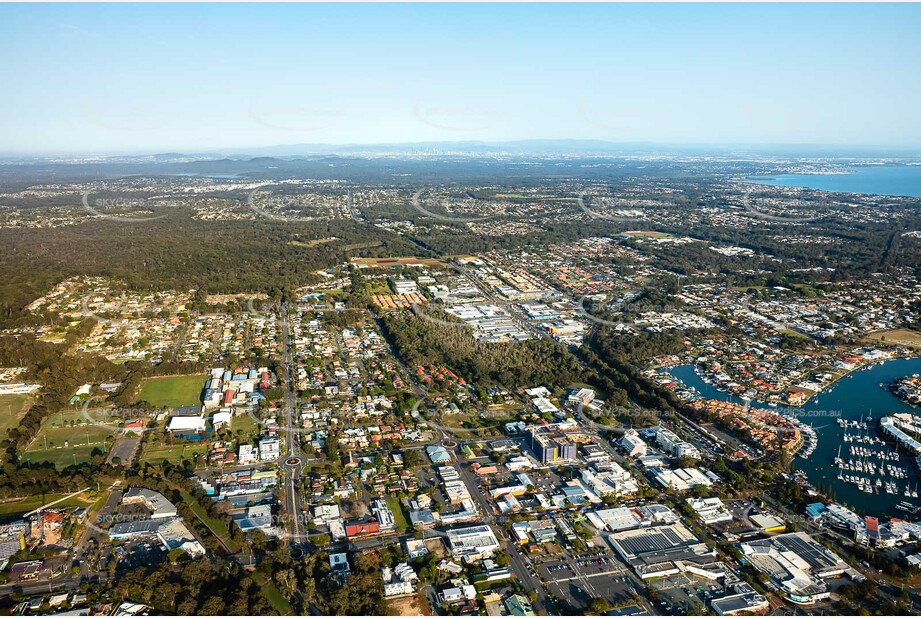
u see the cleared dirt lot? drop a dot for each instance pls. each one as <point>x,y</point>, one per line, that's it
<point>408,606</point>
<point>900,336</point>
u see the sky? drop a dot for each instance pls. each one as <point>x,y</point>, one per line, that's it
<point>105,79</point>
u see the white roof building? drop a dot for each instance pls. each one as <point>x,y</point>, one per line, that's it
<point>383,514</point>
<point>675,446</point>
<point>681,479</point>
<point>474,541</point>
<point>247,454</point>
<point>269,449</point>
<point>257,517</point>
<point>796,564</point>
<point>399,581</point>
<point>337,529</point>
<point>415,548</point>
<point>519,462</point>
<point>710,510</point>
<point>174,534</point>
<point>221,418</point>
<point>156,502</point>
<point>322,513</point>
<point>544,405</point>
<point>186,423</point>
<point>633,443</point>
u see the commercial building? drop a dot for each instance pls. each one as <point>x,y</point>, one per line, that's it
<point>795,564</point>
<point>556,442</point>
<point>362,528</point>
<point>540,530</point>
<point>682,479</point>
<point>12,538</point>
<point>415,548</point>
<point>745,601</point>
<point>339,564</point>
<point>323,513</point>
<point>893,425</point>
<point>710,510</point>
<point>816,511</point>
<point>583,396</point>
<point>472,542</point>
<point>174,534</point>
<point>438,454</point>
<point>627,518</point>
<point>384,515</point>
<point>131,529</point>
<point>633,444</point>
<point>257,517</point>
<point>405,286</point>
<point>665,550</point>
<point>612,479</point>
<point>543,405</point>
<point>675,446</point>
<point>519,462</point>
<point>842,517</point>
<point>156,502</point>
<point>248,454</point>
<point>768,523</point>
<point>186,424</point>
<point>269,448</point>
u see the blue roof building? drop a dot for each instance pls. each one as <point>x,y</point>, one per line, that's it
<point>816,510</point>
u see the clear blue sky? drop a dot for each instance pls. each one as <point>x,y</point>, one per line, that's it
<point>142,78</point>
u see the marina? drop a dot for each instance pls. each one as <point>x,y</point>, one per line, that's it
<point>844,453</point>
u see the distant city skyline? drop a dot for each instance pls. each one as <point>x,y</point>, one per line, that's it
<point>123,79</point>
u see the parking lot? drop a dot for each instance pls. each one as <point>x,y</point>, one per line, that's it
<point>138,553</point>
<point>685,594</point>
<point>563,568</point>
<point>578,590</point>
<point>578,578</point>
<point>547,482</point>
<point>740,508</point>
<point>124,450</point>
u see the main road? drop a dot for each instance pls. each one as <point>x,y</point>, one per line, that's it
<point>291,459</point>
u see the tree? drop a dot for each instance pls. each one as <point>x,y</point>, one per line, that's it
<point>175,554</point>
<point>214,606</point>
<point>598,606</point>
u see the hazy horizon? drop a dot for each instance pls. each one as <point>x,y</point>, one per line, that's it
<point>524,147</point>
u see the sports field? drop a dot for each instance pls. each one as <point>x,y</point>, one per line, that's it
<point>68,437</point>
<point>12,409</point>
<point>173,391</point>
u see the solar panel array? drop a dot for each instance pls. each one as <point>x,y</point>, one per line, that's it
<point>640,542</point>
<point>813,555</point>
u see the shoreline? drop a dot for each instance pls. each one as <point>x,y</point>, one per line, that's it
<point>706,379</point>
<point>892,384</point>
